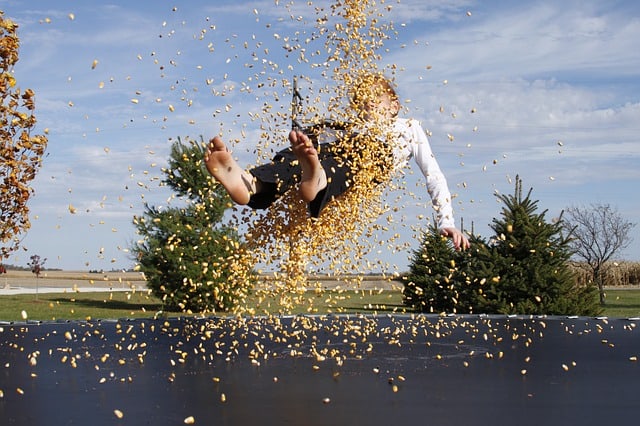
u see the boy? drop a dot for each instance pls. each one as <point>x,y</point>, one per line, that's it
<point>326,171</point>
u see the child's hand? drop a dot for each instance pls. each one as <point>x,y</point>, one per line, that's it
<point>460,241</point>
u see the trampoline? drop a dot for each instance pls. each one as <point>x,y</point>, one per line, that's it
<point>322,370</point>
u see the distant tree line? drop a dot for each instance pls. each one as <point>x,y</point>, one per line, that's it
<point>11,267</point>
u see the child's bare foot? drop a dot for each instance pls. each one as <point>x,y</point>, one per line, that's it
<point>314,177</point>
<point>238,183</point>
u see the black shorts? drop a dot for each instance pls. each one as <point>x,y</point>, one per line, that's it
<point>283,173</point>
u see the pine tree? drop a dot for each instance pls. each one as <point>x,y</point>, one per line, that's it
<point>441,279</point>
<point>523,269</point>
<point>429,274</point>
<point>186,253</point>
<point>531,263</point>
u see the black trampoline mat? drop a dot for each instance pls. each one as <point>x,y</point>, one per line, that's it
<point>322,370</point>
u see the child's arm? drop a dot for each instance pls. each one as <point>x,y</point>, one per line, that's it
<point>436,181</point>
<point>436,184</point>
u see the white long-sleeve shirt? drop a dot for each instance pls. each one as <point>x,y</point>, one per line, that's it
<point>410,140</point>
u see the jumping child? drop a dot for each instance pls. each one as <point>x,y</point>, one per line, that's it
<point>324,172</point>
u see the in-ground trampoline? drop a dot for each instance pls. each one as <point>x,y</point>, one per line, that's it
<point>322,370</point>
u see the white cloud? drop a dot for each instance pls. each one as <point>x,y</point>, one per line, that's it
<point>534,73</point>
<point>532,39</point>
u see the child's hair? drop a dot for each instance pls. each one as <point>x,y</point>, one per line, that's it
<point>367,86</point>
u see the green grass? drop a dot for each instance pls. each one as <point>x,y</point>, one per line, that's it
<point>73,306</point>
<point>115,305</point>
<point>622,303</point>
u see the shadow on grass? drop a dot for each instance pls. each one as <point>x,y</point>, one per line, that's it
<point>110,304</point>
<point>618,305</point>
<point>621,309</point>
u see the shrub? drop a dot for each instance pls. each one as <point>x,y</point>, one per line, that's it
<point>190,259</point>
<point>523,269</point>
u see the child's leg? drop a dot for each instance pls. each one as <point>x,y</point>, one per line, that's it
<point>314,177</point>
<point>238,183</point>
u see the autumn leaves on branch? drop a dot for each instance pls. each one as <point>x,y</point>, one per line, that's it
<point>20,152</point>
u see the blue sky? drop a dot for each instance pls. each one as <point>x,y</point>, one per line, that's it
<point>554,88</point>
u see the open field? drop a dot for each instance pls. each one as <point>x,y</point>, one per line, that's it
<point>622,303</point>
<point>139,304</point>
<point>14,282</point>
<point>78,306</point>
<point>118,304</point>
<point>65,295</point>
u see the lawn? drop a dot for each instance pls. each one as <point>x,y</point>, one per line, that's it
<point>73,306</point>
<point>622,303</point>
<point>119,304</point>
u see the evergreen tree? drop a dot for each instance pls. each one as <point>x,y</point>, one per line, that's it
<point>524,269</point>
<point>442,279</point>
<point>531,263</point>
<point>186,253</point>
<point>425,286</point>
